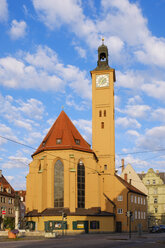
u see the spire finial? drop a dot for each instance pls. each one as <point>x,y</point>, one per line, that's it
<point>103,41</point>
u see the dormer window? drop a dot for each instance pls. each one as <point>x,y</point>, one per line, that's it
<point>43,143</point>
<point>77,141</point>
<point>58,141</point>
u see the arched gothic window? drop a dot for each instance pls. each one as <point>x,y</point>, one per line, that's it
<point>58,184</point>
<point>80,185</point>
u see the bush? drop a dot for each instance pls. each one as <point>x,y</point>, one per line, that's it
<point>9,222</point>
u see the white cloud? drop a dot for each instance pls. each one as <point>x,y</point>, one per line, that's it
<point>19,183</point>
<point>81,51</point>
<point>153,52</point>
<point>86,128</point>
<point>153,138</point>
<point>116,44</point>
<point>43,58</point>
<point>16,162</point>
<point>19,112</point>
<point>117,22</point>
<point>155,89</point>
<point>51,121</point>
<point>137,111</point>
<point>40,67</point>
<point>18,29</point>
<point>23,124</point>
<point>3,11</point>
<point>54,14</point>
<point>124,18</point>
<point>129,79</point>
<point>132,133</point>
<point>137,163</point>
<point>33,108</point>
<point>32,137</point>
<point>6,132</point>
<point>71,103</point>
<point>158,114</point>
<point>125,122</point>
<point>15,74</point>
<point>134,100</point>
<point>9,178</point>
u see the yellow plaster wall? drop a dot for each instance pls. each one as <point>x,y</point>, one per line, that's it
<point>112,187</point>
<point>103,140</point>
<point>40,184</point>
<point>155,190</point>
<point>106,223</point>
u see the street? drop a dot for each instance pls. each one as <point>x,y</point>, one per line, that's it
<point>93,241</point>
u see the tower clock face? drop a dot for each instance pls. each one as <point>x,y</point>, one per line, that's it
<point>102,80</point>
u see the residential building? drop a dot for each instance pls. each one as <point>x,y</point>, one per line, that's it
<point>68,177</point>
<point>155,183</point>
<point>128,198</point>
<point>130,175</point>
<point>22,207</point>
<point>7,196</point>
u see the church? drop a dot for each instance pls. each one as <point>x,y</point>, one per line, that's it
<point>74,188</point>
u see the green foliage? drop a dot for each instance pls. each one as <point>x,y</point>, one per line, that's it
<point>9,222</point>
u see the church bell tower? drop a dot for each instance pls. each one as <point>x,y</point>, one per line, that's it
<point>103,128</point>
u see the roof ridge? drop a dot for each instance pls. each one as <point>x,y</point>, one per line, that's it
<point>64,130</point>
<point>130,186</point>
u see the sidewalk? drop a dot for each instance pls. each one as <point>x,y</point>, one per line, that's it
<point>109,236</point>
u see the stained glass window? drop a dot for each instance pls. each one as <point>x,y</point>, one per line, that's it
<point>58,184</point>
<point>81,185</point>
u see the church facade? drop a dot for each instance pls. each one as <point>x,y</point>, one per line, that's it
<point>73,188</point>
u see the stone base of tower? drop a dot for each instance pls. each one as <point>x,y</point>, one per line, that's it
<point>82,221</point>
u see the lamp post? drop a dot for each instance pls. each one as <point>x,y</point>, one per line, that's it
<point>64,216</point>
<point>129,215</point>
<point>17,207</point>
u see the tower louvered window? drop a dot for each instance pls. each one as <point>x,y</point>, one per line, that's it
<point>58,184</point>
<point>80,185</point>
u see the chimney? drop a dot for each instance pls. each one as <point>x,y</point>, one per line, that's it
<point>122,164</point>
<point>130,181</point>
<point>125,177</point>
<point>0,173</point>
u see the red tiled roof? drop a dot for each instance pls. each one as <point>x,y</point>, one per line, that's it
<point>63,129</point>
<point>79,212</point>
<point>6,185</point>
<point>129,186</point>
<point>21,193</point>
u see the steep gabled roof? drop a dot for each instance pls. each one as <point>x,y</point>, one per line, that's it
<point>64,130</point>
<point>160,174</point>
<point>129,186</point>
<point>6,185</point>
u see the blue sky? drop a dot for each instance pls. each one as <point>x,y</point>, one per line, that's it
<point>48,48</point>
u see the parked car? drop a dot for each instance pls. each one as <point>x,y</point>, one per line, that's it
<point>154,229</point>
<point>162,228</point>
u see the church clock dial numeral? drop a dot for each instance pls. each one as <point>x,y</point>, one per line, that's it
<point>102,80</point>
